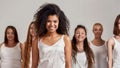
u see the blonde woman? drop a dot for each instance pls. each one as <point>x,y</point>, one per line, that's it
<point>98,46</point>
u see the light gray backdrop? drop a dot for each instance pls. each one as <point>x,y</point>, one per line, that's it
<point>19,13</point>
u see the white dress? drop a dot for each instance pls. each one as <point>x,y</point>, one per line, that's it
<point>10,56</point>
<point>52,56</point>
<point>100,55</point>
<point>116,54</point>
<point>81,61</point>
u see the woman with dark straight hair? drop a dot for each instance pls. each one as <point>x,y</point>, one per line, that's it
<point>82,55</point>
<point>53,48</point>
<point>114,46</point>
<point>11,49</point>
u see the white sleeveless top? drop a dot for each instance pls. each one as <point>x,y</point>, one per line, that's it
<point>81,61</point>
<point>30,63</point>
<point>116,54</point>
<point>100,55</point>
<point>10,56</point>
<point>52,56</point>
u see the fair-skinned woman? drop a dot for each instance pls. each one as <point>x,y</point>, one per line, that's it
<point>82,55</point>
<point>98,47</point>
<point>11,49</point>
<point>31,36</point>
<point>114,46</point>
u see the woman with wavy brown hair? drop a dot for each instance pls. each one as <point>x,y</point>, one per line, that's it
<point>28,46</point>
<point>82,55</point>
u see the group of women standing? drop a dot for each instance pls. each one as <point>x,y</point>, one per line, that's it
<point>48,44</point>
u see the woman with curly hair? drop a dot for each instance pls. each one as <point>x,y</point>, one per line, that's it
<point>53,48</point>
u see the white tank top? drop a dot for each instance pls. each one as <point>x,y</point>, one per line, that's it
<point>100,55</point>
<point>52,56</point>
<point>116,54</point>
<point>81,61</point>
<point>10,56</point>
<point>30,63</point>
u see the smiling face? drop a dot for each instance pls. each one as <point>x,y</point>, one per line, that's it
<point>97,30</point>
<point>10,34</point>
<point>32,30</point>
<point>80,34</point>
<point>52,23</point>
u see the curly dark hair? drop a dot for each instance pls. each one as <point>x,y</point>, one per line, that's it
<point>87,49</point>
<point>42,15</point>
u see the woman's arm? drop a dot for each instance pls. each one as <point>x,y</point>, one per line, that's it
<point>68,52</point>
<point>110,45</point>
<point>22,46</point>
<point>0,52</point>
<point>35,53</point>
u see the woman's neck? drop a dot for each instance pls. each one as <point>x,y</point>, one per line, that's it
<point>98,41</point>
<point>80,46</point>
<point>51,34</point>
<point>117,36</point>
<point>33,38</point>
<point>11,43</point>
